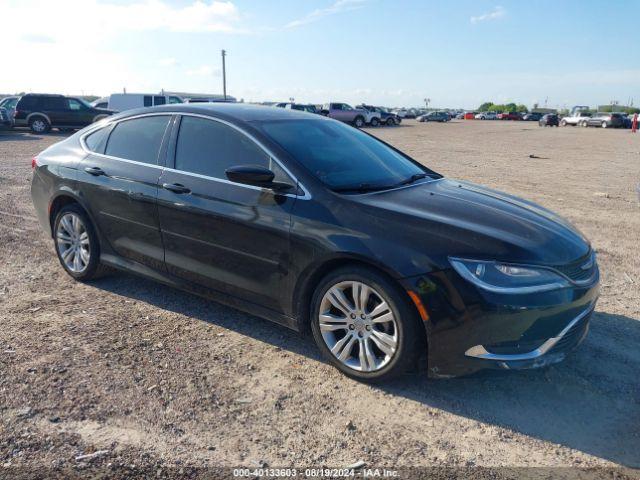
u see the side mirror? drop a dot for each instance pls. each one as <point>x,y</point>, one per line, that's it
<point>256,176</point>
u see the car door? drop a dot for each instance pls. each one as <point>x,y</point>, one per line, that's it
<point>79,114</point>
<point>119,181</point>
<point>226,236</point>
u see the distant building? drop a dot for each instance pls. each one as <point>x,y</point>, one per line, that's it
<point>201,97</point>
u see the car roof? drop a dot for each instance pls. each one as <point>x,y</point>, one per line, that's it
<point>227,111</point>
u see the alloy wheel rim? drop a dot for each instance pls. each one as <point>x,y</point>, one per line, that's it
<point>38,125</point>
<point>72,240</point>
<point>358,326</point>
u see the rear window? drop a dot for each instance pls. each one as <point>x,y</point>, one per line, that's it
<point>96,140</point>
<point>138,139</point>
<point>28,103</point>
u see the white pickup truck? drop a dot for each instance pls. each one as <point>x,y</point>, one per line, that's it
<point>576,118</point>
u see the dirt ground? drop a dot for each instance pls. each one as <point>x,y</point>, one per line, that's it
<point>143,376</point>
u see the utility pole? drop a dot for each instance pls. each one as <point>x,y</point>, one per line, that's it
<point>224,76</point>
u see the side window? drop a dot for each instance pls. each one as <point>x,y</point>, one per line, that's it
<point>96,140</point>
<point>138,139</point>
<point>159,100</point>
<point>208,147</point>
<point>74,104</point>
<point>54,103</point>
<point>147,101</point>
<point>173,99</point>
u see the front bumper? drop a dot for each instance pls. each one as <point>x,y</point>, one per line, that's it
<point>469,329</point>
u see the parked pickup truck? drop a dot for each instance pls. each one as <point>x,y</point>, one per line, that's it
<point>576,118</point>
<point>358,117</point>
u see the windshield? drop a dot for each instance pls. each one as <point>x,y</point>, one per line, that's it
<point>341,156</point>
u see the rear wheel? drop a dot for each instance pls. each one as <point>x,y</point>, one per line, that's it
<point>358,122</point>
<point>77,244</point>
<point>563,123</point>
<point>364,325</point>
<point>390,122</point>
<point>39,125</point>
<point>375,122</point>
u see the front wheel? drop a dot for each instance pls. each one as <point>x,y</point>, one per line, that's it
<point>390,122</point>
<point>375,122</point>
<point>563,123</point>
<point>364,325</point>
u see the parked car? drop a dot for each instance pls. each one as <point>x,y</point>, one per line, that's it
<point>119,102</point>
<point>316,225</point>
<point>386,118</point>
<point>41,112</point>
<point>434,117</point>
<point>298,106</point>
<point>460,116</point>
<point>470,116</point>
<point>604,120</point>
<point>509,116</point>
<point>576,118</point>
<point>549,120</point>
<point>486,116</point>
<point>5,119</point>
<point>346,113</point>
<point>9,104</point>
<point>532,117</point>
<point>101,103</point>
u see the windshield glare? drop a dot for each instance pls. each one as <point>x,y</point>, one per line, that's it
<point>339,155</point>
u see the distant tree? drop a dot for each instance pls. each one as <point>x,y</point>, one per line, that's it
<point>510,107</point>
<point>522,108</point>
<point>485,107</point>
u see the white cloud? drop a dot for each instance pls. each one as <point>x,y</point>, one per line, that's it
<point>495,14</point>
<point>203,71</point>
<point>338,6</point>
<point>167,62</point>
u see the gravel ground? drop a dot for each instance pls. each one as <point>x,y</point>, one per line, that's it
<point>140,376</point>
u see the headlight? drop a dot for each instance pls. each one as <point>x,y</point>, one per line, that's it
<point>504,278</point>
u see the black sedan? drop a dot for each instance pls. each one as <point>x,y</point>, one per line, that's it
<point>323,228</point>
<point>549,120</point>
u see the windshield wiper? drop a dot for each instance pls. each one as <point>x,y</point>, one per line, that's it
<point>413,178</point>
<point>362,188</point>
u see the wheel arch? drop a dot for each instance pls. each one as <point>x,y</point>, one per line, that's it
<point>313,274</point>
<point>65,197</point>
<point>38,114</point>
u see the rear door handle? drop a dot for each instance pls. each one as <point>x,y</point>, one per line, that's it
<point>95,171</point>
<point>175,188</point>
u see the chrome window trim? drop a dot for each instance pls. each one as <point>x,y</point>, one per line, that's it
<point>480,352</point>
<point>306,195</point>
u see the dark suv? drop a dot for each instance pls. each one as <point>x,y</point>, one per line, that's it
<point>41,112</point>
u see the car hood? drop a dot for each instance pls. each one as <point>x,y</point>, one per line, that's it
<point>463,219</point>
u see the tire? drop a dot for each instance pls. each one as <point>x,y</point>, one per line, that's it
<point>358,122</point>
<point>86,268</point>
<point>604,125</point>
<point>375,122</point>
<point>39,124</point>
<point>390,122</point>
<point>349,323</point>
<point>563,123</point>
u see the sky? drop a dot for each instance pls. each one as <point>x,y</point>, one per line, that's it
<point>458,54</point>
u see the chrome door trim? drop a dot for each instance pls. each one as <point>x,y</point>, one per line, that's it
<point>306,195</point>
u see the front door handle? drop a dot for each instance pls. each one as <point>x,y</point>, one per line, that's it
<point>95,171</point>
<point>175,188</point>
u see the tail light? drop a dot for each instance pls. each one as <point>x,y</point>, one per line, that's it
<point>34,162</point>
